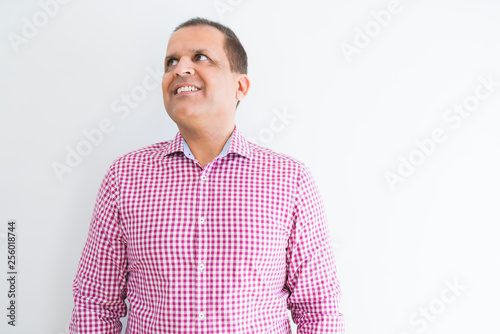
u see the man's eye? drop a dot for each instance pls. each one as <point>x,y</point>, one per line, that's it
<point>200,57</point>
<point>172,62</point>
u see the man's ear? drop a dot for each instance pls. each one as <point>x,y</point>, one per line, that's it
<point>243,86</point>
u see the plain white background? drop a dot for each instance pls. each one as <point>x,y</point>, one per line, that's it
<point>366,84</point>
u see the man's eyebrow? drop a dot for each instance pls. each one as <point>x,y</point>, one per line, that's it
<point>193,51</point>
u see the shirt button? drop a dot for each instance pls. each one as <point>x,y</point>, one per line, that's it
<point>203,177</point>
<point>201,220</point>
<point>201,267</point>
<point>201,315</point>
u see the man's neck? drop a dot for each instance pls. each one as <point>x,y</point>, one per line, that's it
<point>206,143</point>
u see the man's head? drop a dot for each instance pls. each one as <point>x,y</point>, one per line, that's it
<point>235,52</point>
<point>205,73</point>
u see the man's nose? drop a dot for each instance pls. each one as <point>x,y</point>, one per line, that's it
<point>184,67</point>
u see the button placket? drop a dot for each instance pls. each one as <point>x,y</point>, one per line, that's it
<point>201,247</point>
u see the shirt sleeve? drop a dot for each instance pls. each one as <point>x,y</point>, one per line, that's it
<point>99,289</point>
<point>311,272</point>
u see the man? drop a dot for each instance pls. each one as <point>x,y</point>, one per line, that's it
<point>208,232</point>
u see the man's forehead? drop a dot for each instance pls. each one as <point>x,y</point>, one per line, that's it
<point>196,38</point>
<point>175,54</point>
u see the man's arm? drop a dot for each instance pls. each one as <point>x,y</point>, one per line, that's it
<point>311,277</point>
<point>99,288</point>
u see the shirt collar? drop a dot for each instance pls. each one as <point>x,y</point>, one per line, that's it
<point>237,143</point>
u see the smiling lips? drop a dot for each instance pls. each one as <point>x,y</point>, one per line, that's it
<point>186,89</point>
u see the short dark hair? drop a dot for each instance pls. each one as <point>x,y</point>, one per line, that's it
<point>235,52</point>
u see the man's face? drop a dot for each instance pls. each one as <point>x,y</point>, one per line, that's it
<point>198,85</point>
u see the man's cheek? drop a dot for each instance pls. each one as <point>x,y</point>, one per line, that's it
<point>165,82</point>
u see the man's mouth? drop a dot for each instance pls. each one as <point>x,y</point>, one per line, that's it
<point>186,89</point>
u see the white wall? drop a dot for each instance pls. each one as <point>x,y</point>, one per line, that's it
<point>360,103</point>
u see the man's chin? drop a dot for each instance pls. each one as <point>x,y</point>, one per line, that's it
<point>182,112</point>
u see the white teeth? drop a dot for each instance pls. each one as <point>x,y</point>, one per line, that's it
<point>186,89</point>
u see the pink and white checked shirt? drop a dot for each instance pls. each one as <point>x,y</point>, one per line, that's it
<point>222,249</point>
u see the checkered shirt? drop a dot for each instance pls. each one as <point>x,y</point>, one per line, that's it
<point>226,248</point>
